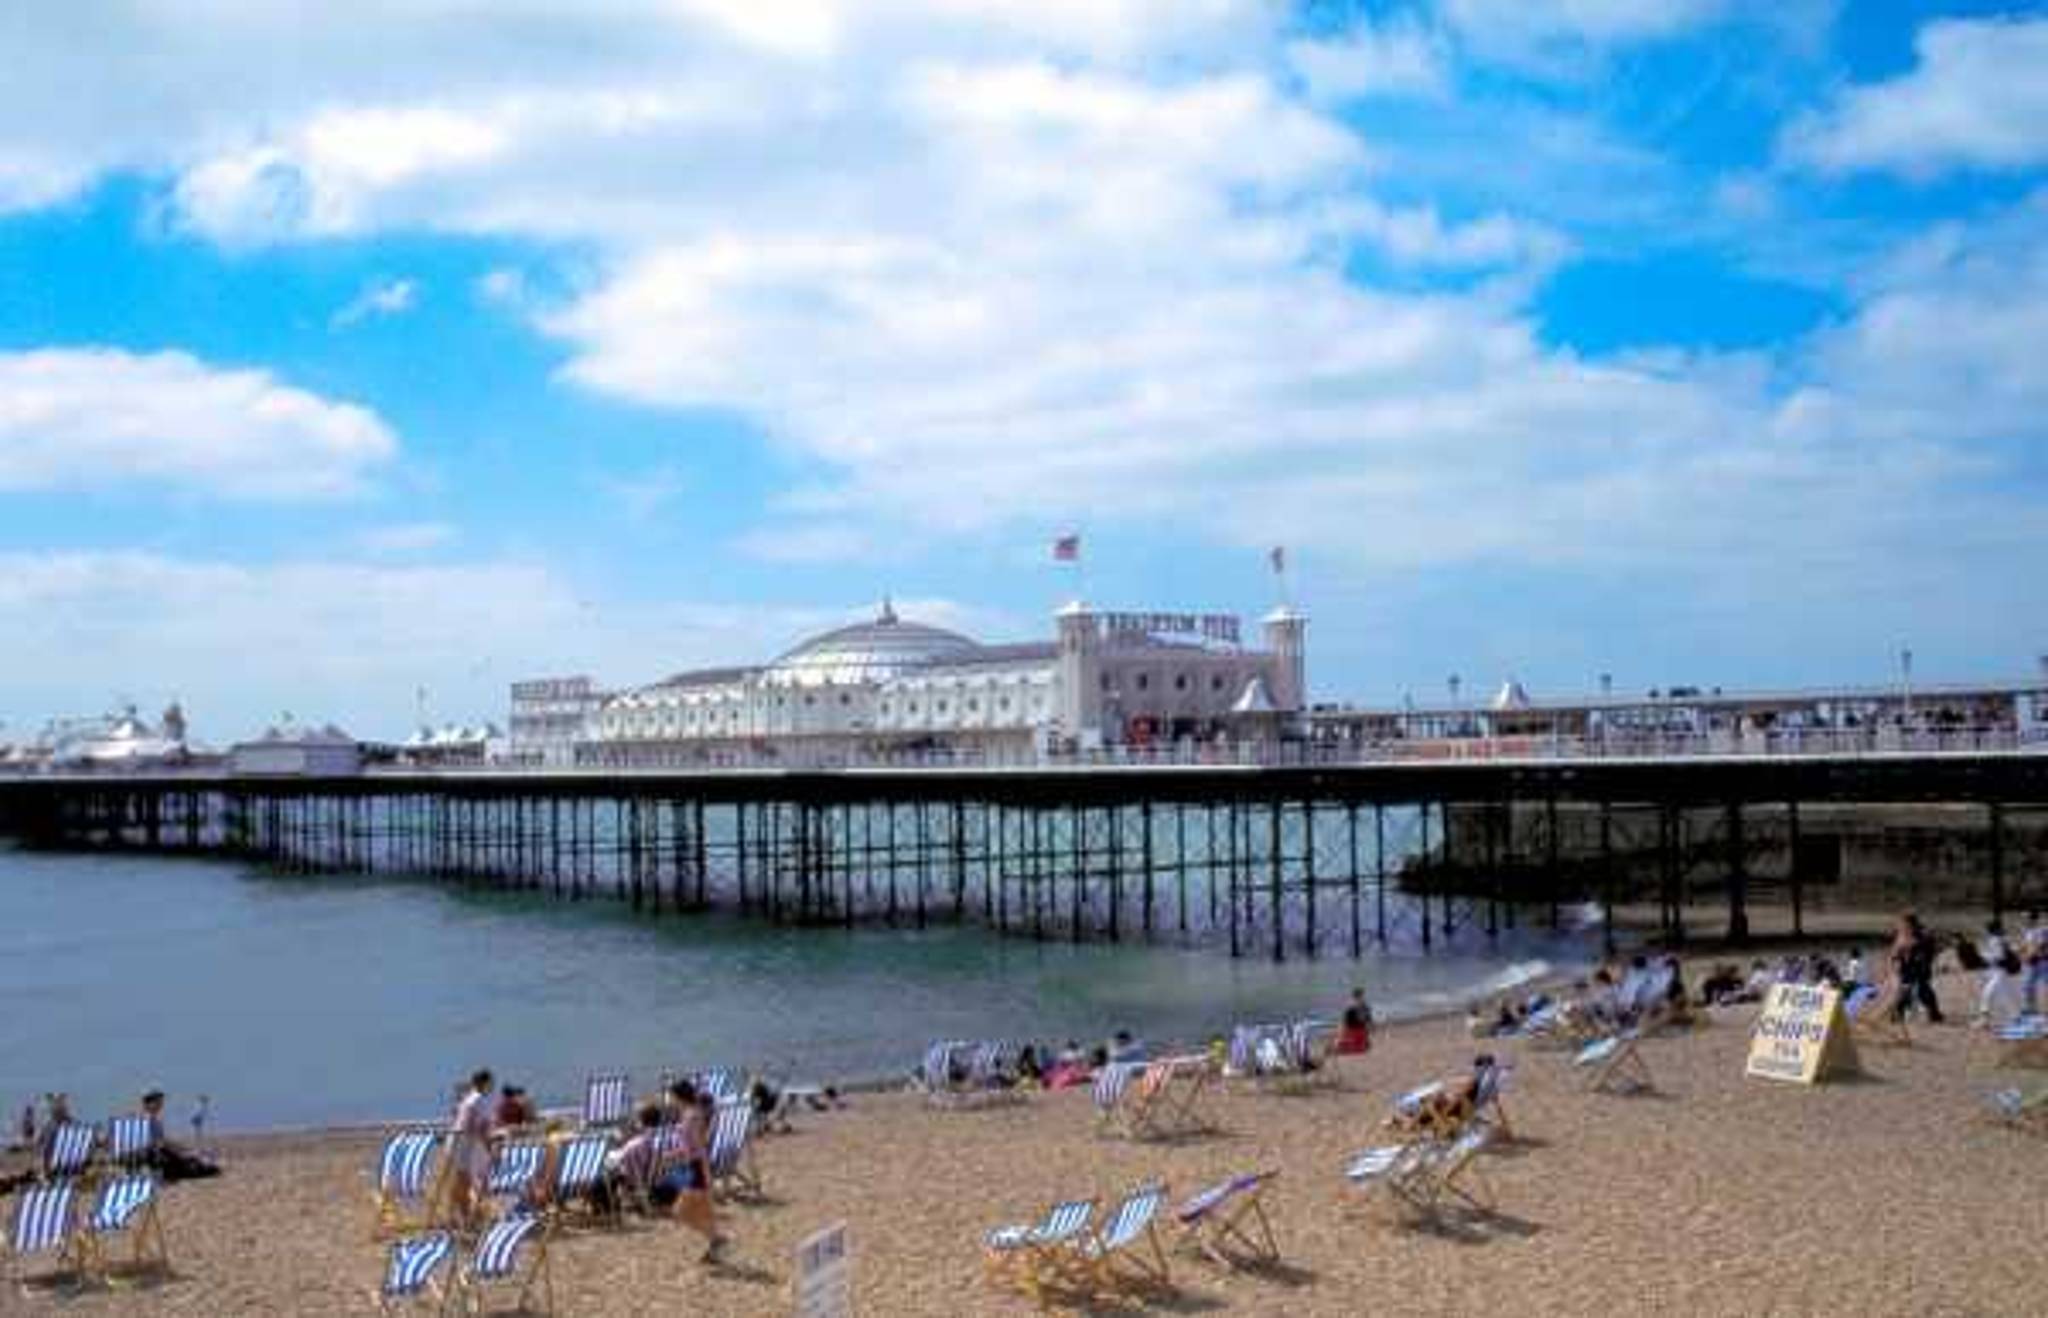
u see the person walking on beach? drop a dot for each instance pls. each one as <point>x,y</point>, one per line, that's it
<point>687,1184</point>
<point>471,1141</point>
<point>1913,950</point>
<point>2001,968</point>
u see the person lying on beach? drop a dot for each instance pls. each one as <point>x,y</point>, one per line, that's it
<point>1069,1069</point>
<point>173,1160</point>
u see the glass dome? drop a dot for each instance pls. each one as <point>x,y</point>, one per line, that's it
<point>868,652</point>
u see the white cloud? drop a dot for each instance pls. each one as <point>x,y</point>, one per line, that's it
<point>406,537</point>
<point>97,418</point>
<point>379,299</point>
<point>1397,59</point>
<point>1540,33</point>
<point>1976,98</point>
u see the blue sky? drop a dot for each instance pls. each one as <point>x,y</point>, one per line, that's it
<point>349,355</point>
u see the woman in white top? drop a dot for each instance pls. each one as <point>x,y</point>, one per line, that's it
<point>1996,999</point>
<point>470,1143</point>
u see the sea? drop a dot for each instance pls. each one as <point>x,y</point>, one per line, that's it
<point>295,1001</point>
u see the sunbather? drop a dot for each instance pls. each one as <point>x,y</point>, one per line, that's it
<point>176,1162</point>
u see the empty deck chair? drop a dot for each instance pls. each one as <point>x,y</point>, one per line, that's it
<point>495,1266</point>
<point>1112,1081</point>
<point>515,1169</point>
<point>1227,1222</point>
<point>1032,1254</point>
<point>69,1151</point>
<point>46,1222</point>
<point>1452,1171</point>
<point>1125,1252</point>
<point>413,1272</point>
<point>130,1142</point>
<point>1614,1065</point>
<point>579,1177</point>
<point>1178,1108</point>
<point>409,1184</point>
<point>1394,1174</point>
<point>606,1100</point>
<point>731,1155</point>
<point>127,1203</point>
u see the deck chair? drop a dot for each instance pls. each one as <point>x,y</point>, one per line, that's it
<point>579,1178</point>
<point>731,1155</point>
<point>1452,1172</point>
<point>2022,1041</point>
<point>494,1265</point>
<point>130,1142</point>
<point>1615,1065</point>
<point>607,1100</point>
<point>409,1183</point>
<point>1305,1053</point>
<point>2019,1109</point>
<point>1111,1083</point>
<point>1227,1222</point>
<point>413,1272</point>
<point>1125,1252</point>
<point>69,1152</point>
<point>937,1072</point>
<point>636,1188</point>
<point>722,1083</point>
<point>514,1170</point>
<point>1031,1254</point>
<point>1397,1173</point>
<point>1178,1108</point>
<point>127,1203</point>
<point>1487,1107</point>
<point>46,1222</point>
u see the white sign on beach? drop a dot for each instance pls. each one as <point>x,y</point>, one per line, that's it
<point>824,1275</point>
<point>1801,1036</point>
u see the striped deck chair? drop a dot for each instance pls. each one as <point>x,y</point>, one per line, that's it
<point>722,1083</point>
<point>130,1141</point>
<point>127,1203</point>
<point>1112,1082</point>
<point>2022,1041</point>
<point>607,1099</point>
<point>409,1183</point>
<point>46,1221</point>
<point>413,1272</point>
<point>515,1170</point>
<point>1227,1222</point>
<point>1615,1065</point>
<point>731,1155</point>
<point>495,1266</point>
<point>69,1152</point>
<point>1031,1254</point>
<point>1487,1107</point>
<point>1397,1174</point>
<point>1125,1252</point>
<point>1452,1171</point>
<point>579,1178</point>
<point>937,1071</point>
<point>1304,1048</point>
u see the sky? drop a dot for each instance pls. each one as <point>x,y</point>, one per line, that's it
<point>358,360</point>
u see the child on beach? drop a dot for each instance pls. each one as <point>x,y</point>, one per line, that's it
<point>1354,1034</point>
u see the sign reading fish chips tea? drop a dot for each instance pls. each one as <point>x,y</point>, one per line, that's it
<point>1801,1036</point>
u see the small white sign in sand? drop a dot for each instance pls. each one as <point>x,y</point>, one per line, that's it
<point>1801,1036</point>
<point>824,1275</point>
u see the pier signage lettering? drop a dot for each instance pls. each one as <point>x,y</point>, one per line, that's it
<point>824,1275</point>
<point>1801,1036</point>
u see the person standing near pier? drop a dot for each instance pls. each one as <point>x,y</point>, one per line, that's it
<point>471,1137</point>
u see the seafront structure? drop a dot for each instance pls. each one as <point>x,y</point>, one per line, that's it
<point>891,685</point>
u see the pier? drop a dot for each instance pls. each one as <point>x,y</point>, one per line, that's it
<point>1277,861</point>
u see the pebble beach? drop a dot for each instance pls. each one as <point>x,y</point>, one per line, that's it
<point>1888,1193</point>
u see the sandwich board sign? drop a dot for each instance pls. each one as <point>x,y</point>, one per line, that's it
<point>1802,1035</point>
<point>824,1275</point>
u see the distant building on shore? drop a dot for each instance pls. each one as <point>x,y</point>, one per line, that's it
<point>289,750</point>
<point>890,685</point>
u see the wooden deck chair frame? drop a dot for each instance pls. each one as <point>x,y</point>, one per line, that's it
<point>1398,1177</point>
<point>126,1203</point>
<point>1038,1255</point>
<point>470,1289</point>
<point>1453,1173</point>
<point>55,1206</point>
<point>1186,1093</point>
<point>1233,1230</point>
<point>433,1286</point>
<point>1137,1262</point>
<point>1621,1070</point>
<point>1108,1091</point>
<point>394,1218</point>
<point>1145,1105</point>
<point>734,1175</point>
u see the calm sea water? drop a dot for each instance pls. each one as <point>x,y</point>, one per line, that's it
<point>298,1001</point>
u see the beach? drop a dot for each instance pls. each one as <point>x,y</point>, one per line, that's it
<point>1714,1194</point>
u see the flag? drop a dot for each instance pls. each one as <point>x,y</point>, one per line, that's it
<point>1067,549</point>
<point>1277,556</point>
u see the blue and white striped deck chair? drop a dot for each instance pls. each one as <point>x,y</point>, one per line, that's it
<point>514,1170</point>
<point>1398,1172</point>
<point>1112,1082</point>
<point>1240,1060</point>
<point>1615,1064</point>
<point>69,1151</point>
<point>579,1176</point>
<point>722,1083</point>
<point>1452,1171</point>
<point>127,1203</point>
<point>408,1183</point>
<point>413,1272</point>
<point>1125,1251</point>
<point>731,1155</point>
<point>130,1141</point>
<point>1487,1107</point>
<point>45,1221</point>
<point>495,1264</point>
<point>1029,1254</point>
<point>607,1100</point>
<point>937,1071</point>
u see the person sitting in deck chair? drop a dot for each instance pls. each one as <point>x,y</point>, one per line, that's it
<point>515,1109</point>
<point>632,1163</point>
<point>174,1161</point>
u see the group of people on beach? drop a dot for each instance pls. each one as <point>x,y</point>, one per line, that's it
<point>681,1119</point>
<point>169,1159</point>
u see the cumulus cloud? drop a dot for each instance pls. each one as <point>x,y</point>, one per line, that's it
<point>1976,98</point>
<point>1396,59</point>
<point>97,418</point>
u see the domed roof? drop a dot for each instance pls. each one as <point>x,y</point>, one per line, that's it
<point>868,652</point>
